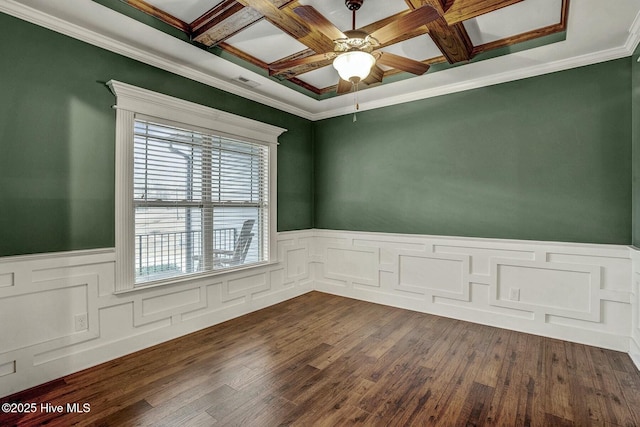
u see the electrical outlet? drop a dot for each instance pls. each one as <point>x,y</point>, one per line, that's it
<point>514,294</point>
<point>81,322</point>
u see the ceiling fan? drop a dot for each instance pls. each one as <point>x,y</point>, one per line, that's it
<point>355,53</point>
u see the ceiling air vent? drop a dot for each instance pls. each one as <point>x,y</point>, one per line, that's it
<point>245,81</point>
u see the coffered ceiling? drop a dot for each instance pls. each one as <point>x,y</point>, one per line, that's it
<point>279,52</point>
<point>294,40</point>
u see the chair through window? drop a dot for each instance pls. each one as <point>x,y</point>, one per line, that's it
<point>229,258</point>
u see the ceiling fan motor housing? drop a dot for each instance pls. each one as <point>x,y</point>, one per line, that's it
<point>356,40</point>
<point>353,4</point>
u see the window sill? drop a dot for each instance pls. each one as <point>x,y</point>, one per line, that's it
<point>193,277</point>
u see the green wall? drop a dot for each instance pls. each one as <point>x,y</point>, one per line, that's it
<point>57,133</point>
<point>635,90</point>
<point>546,158</point>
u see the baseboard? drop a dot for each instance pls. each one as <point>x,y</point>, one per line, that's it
<point>634,353</point>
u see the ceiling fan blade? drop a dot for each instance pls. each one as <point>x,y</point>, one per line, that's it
<point>319,22</point>
<point>343,87</point>
<point>375,76</point>
<point>291,24</point>
<point>402,63</point>
<point>294,67</point>
<point>408,22</point>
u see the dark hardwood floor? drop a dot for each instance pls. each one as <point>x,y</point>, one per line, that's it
<point>325,360</point>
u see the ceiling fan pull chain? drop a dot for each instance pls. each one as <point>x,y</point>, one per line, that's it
<point>355,99</point>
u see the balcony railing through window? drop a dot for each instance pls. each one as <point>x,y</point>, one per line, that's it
<point>160,255</point>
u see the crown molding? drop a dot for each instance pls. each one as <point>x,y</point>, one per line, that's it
<point>634,35</point>
<point>311,109</point>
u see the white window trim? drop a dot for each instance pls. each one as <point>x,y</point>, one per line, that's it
<point>132,100</point>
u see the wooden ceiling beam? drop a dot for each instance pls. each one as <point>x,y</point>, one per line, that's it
<point>452,40</point>
<point>529,35</point>
<point>404,36</point>
<point>150,9</point>
<point>243,55</point>
<point>221,22</point>
<point>300,63</point>
<point>225,20</point>
<point>460,10</point>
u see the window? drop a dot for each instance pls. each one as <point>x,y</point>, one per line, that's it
<point>201,201</point>
<point>195,189</point>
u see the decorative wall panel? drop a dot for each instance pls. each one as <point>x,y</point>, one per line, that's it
<point>6,280</point>
<point>8,368</point>
<point>434,275</point>
<point>240,287</point>
<point>352,264</point>
<point>547,288</point>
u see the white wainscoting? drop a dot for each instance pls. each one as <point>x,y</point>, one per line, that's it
<point>634,350</point>
<point>575,292</point>
<point>41,296</point>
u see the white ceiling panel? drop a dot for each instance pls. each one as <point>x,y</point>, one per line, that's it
<point>516,19</point>
<point>321,78</point>
<point>370,12</point>
<point>418,48</point>
<point>185,10</point>
<point>264,41</point>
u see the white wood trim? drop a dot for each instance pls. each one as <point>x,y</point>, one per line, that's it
<point>125,225</point>
<point>108,252</point>
<point>634,36</point>
<point>132,100</point>
<point>634,330</point>
<point>613,250</point>
<point>155,104</point>
<point>273,203</point>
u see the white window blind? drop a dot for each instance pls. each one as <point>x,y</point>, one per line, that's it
<point>200,200</point>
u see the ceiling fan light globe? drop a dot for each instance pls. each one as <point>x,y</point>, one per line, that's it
<point>354,66</point>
